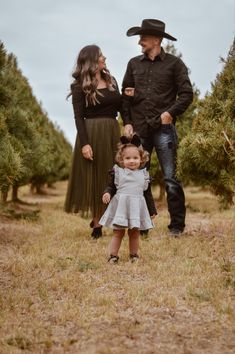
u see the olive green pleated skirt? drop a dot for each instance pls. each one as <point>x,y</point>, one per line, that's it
<point>88,179</point>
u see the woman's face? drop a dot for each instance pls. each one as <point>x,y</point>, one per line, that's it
<point>101,61</point>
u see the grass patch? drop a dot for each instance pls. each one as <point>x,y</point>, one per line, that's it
<point>58,294</point>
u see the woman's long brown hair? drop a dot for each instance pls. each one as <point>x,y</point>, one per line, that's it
<point>85,74</point>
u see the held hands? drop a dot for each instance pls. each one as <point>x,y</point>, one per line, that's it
<point>129,91</point>
<point>106,198</point>
<point>166,118</point>
<point>87,152</point>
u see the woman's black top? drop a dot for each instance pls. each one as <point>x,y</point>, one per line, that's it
<point>108,107</point>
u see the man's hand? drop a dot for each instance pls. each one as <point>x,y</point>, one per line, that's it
<point>106,198</point>
<point>87,152</point>
<point>166,118</point>
<point>128,130</point>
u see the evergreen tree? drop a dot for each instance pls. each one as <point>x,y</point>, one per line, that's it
<point>55,162</point>
<point>21,122</point>
<point>207,154</point>
<point>10,161</point>
<point>32,148</point>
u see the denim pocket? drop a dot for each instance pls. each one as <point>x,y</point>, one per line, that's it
<point>170,130</point>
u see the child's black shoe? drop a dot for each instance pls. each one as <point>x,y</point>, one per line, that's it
<point>97,232</point>
<point>113,259</point>
<point>134,258</point>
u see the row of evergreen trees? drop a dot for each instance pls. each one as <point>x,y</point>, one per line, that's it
<point>33,150</point>
<point>206,132</point>
<point>206,154</point>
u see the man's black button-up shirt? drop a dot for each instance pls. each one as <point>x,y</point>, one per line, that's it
<point>160,85</point>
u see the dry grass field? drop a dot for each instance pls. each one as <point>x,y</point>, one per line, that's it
<point>59,295</point>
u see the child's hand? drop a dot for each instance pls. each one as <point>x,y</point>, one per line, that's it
<point>106,198</point>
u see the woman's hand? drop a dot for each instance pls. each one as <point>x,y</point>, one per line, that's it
<point>87,152</point>
<point>152,216</point>
<point>106,198</point>
<point>129,91</point>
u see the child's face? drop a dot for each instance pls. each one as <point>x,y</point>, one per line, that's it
<point>131,158</point>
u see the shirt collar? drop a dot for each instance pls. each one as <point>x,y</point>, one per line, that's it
<point>160,56</point>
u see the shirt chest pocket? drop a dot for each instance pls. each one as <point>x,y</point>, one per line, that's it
<point>139,77</point>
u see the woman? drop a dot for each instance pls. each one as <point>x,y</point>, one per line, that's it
<point>96,101</point>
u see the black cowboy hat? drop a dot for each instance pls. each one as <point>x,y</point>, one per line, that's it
<point>150,27</point>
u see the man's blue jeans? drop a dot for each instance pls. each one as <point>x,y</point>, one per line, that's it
<point>165,141</point>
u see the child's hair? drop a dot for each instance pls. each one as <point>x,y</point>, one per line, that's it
<point>144,155</point>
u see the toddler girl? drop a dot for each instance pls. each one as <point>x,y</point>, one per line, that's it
<point>132,205</point>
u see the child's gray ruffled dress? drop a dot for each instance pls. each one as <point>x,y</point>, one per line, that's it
<point>128,208</point>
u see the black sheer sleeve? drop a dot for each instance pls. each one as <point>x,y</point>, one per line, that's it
<point>150,201</point>
<point>111,188</point>
<point>78,101</point>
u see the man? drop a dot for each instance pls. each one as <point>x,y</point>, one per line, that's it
<point>156,89</point>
